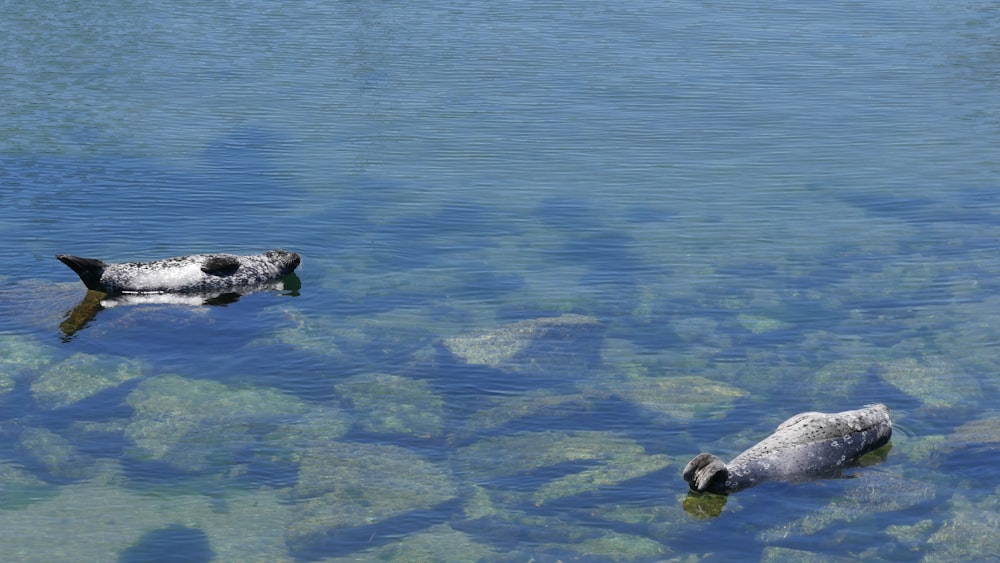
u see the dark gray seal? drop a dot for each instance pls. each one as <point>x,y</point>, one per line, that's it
<point>807,445</point>
<point>195,273</point>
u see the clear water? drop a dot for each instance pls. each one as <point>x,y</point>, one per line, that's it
<point>759,209</point>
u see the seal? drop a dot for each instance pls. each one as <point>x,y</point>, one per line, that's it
<point>809,444</point>
<point>183,274</point>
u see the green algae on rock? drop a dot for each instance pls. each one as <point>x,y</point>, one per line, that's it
<point>564,343</point>
<point>342,487</point>
<point>195,425</point>
<point>390,404</point>
<point>81,376</point>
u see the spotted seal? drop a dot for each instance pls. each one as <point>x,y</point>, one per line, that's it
<point>195,273</point>
<point>807,445</point>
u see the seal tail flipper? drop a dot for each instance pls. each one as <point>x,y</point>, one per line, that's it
<point>702,470</point>
<point>89,270</point>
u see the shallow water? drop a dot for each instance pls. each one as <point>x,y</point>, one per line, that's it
<point>550,253</point>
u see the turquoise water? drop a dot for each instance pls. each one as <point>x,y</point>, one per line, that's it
<point>550,253</point>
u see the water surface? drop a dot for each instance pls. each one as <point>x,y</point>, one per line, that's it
<point>550,253</point>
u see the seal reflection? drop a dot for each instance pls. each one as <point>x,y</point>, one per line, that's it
<point>94,302</point>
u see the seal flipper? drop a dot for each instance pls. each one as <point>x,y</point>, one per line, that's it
<point>90,270</point>
<point>221,265</point>
<point>705,468</point>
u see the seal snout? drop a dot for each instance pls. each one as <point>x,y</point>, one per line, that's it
<point>287,260</point>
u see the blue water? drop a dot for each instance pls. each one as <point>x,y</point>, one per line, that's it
<point>764,208</point>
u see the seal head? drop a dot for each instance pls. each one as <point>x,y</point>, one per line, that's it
<point>805,446</point>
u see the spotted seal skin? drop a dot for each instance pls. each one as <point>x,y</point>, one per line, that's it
<point>807,445</point>
<point>195,273</point>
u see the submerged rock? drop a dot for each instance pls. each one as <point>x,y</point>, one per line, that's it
<point>935,381</point>
<point>870,492</point>
<point>362,339</point>
<point>81,376</point>
<point>55,454</point>
<point>195,425</point>
<point>390,404</point>
<point>19,352</point>
<point>20,355</point>
<point>617,546</point>
<point>7,383</point>
<point>104,518</point>
<point>985,431</point>
<point>19,488</point>
<point>344,488</point>
<point>534,403</point>
<point>312,334</point>
<point>557,538</point>
<point>682,398</point>
<point>759,324</point>
<point>503,456</point>
<point>603,459</point>
<point>911,536</point>
<point>773,554</point>
<point>287,444</point>
<point>170,543</point>
<point>437,543</point>
<point>980,435</point>
<point>565,343</point>
<point>617,469</point>
<point>836,380</point>
<point>919,448</point>
<point>969,535</point>
<point>36,303</point>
